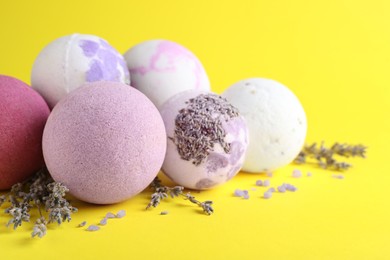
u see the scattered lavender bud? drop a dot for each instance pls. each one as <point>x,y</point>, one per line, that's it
<point>290,187</point>
<point>266,183</point>
<point>103,222</point>
<point>272,189</point>
<point>338,176</point>
<point>267,195</point>
<point>246,194</point>
<point>282,188</point>
<point>82,224</point>
<point>110,215</point>
<point>93,228</point>
<point>121,214</point>
<point>269,174</point>
<point>164,212</point>
<point>297,173</point>
<point>238,193</point>
<point>259,183</point>
<point>309,174</point>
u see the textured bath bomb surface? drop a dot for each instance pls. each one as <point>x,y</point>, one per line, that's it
<point>160,69</point>
<point>23,114</point>
<point>70,61</point>
<point>207,139</point>
<point>276,121</point>
<point>105,141</point>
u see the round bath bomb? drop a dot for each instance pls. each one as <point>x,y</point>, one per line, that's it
<point>70,61</point>
<point>22,119</point>
<point>105,141</point>
<point>207,139</point>
<point>160,69</point>
<point>276,121</point>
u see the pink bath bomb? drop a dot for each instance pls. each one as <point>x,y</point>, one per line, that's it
<point>105,141</point>
<point>23,114</point>
<point>207,139</point>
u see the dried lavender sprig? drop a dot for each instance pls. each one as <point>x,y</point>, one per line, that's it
<point>349,150</point>
<point>19,214</point>
<point>161,192</point>
<point>39,191</point>
<point>3,199</point>
<point>40,228</point>
<point>325,156</point>
<point>206,205</point>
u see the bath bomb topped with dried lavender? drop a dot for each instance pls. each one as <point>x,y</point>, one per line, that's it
<point>276,122</point>
<point>105,142</point>
<point>207,139</point>
<point>70,61</point>
<point>160,69</point>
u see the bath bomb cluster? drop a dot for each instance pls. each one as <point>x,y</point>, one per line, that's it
<point>70,61</point>
<point>160,69</point>
<point>276,121</point>
<point>22,119</point>
<point>105,141</point>
<point>207,139</point>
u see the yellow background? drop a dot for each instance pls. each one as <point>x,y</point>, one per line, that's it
<point>335,56</point>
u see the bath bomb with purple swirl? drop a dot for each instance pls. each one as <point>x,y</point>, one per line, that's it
<point>160,69</point>
<point>207,139</point>
<point>70,61</point>
<point>105,141</point>
<point>276,122</point>
<point>22,119</point>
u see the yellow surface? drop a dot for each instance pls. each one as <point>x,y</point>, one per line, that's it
<point>335,55</point>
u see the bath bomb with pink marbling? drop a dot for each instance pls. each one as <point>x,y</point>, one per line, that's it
<point>207,139</point>
<point>70,61</point>
<point>160,69</point>
<point>105,141</point>
<point>23,114</point>
<point>276,121</point>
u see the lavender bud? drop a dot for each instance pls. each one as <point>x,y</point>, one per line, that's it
<point>267,195</point>
<point>297,173</point>
<point>259,183</point>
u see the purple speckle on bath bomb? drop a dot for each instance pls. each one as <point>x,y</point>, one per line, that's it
<point>105,141</point>
<point>89,47</point>
<point>216,161</point>
<point>106,64</point>
<point>22,119</point>
<point>95,72</point>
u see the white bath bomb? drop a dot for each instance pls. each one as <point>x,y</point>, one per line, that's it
<point>160,69</point>
<point>276,121</point>
<point>207,139</point>
<point>70,61</point>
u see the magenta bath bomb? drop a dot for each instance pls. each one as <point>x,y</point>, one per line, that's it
<point>160,69</point>
<point>23,114</point>
<point>105,141</point>
<point>70,61</point>
<point>207,139</point>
